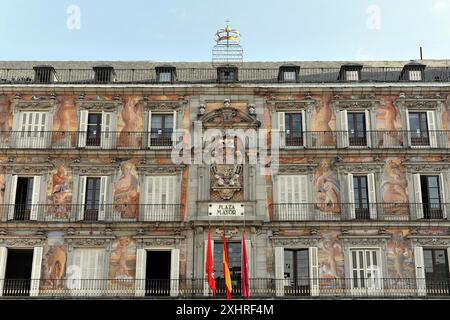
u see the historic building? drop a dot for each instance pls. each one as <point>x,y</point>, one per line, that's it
<point>350,198</point>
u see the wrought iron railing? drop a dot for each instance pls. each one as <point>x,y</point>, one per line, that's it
<point>210,75</point>
<point>259,288</point>
<point>359,211</point>
<point>62,212</point>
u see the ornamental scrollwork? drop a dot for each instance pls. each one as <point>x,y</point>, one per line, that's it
<point>100,105</point>
<point>292,105</point>
<point>298,241</point>
<point>36,103</point>
<point>356,103</point>
<point>22,241</point>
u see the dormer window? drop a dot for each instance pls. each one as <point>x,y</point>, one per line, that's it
<point>288,73</point>
<point>165,74</point>
<point>104,74</point>
<point>227,74</point>
<point>44,74</point>
<point>350,72</point>
<point>413,72</point>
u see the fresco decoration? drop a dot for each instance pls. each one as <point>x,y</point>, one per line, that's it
<point>126,192</point>
<point>130,123</point>
<point>446,118</point>
<point>6,120</point>
<point>323,122</point>
<point>59,192</point>
<point>388,119</point>
<point>327,192</point>
<point>394,188</point>
<point>400,257</point>
<point>65,123</point>
<point>2,191</point>
<point>122,263</point>
<point>54,261</point>
<point>331,260</point>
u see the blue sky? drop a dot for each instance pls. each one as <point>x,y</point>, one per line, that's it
<point>176,30</point>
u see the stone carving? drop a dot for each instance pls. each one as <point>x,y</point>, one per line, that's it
<point>292,105</point>
<point>228,117</point>
<point>229,232</point>
<point>310,241</point>
<point>100,105</point>
<point>226,179</point>
<point>37,103</point>
<point>15,241</point>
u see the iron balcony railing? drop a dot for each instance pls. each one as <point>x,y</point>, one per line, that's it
<point>91,212</point>
<point>359,211</point>
<point>114,140</point>
<point>357,287</point>
<point>210,75</point>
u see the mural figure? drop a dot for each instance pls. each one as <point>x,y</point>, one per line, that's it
<point>122,262</point>
<point>331,260</point>
<point>126,192</point>
<point>6,120</point>
<point>326,188</point>
<point>322,122</point>
<point>400,258</point>
<point>54,262</point>
<point>60,194</point>
<point>389,120</point>
<point>131,124</point>
<point>65,120</point>
<point>393,188</point>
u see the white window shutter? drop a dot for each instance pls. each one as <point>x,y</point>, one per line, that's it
<point>303,183</point>
<point>368,128</point>
<point>12,197</point>
<point>279,271</point>
<point>431,119</point>
<point>103,196</point>
<point>314,270</point>
<point>344,129</point>
<point>174,272</point>
<point>35,198</point>
<point>372,196</point>
<point>141,262</point>
<point>174,128</point>
<point>107,136</point>
<point>351,196</point>
<point>305,142</point>
<point>149,129</point>
<point>206,290</point>
<point>443,182</point>
<point>81,197</point>
<point>3,258</point>
<point>408,128</point>
<point>36,271</point>
<point>82,128</point>
<point>418,207</point>
<point>282,129</point>
<point>420,271</point>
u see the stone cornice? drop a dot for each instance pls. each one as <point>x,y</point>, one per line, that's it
<point>355,102</point>
<point>22,241</point>
<point>157,241</point>
<point>295,241</point>
<point>291,105</point>
<point>159,169</point>
<point>88,240</point>
<point>360,167</point>
<point>99,105</point>
<point>427,166</point>
<point>163,105</point>
<point>296,168</point>
<point>36,104</point>
<point>420,102</point>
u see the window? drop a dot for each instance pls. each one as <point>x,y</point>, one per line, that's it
<point>165,77</point>
<point>357,128</point>
<point>431,198</point>
<point>294,129</point>
<point>289,76</point>
<point>90,268</point>
<point>421,128</point>
<point>33,132</point>
<point>227,74</point>
<point>292,198</point>
<point>415,75</point>
<point>365,269</point>
<point>352,75</point>
<point>160,198</point>
<point>296,271</point>
<point>436,270</point>
<point>161,129</point>
<point>361,197</point>
<point>96,129</point>
<point>24,198</point>
<point>92,198</point>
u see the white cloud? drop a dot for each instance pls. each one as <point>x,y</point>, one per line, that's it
<point>440,5</point>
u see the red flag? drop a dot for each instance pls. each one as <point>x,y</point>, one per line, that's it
<point>210,265</point>
<point>244,273</point>
<point>226,270</point>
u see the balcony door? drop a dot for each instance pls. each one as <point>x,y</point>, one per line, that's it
<point>296,272</point>
<point>437,277</point>
<point>161,128</point>
<point>33,132</point>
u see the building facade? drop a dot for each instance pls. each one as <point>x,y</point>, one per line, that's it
<point>106,190</point>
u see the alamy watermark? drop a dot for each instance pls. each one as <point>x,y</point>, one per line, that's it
<point>73,21</point>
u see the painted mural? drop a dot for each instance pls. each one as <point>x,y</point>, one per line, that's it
<point>130,123</point>
<point>394,188</point>
<point>326,188</point>
<point>126,191</point>
<point>323,121</point>
<point>331,260</point>
<point>59,192</point>
<point>54,261</point>
<point>64,121</point>
<point>446,118</point>
<point>2,191</point>
<point>388,119</point>
<point>400,257</point>
<point>122,263</point>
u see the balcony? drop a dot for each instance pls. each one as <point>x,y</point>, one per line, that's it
<point>99,212</point>
<point>259,288</point>
<point>114,140</point>
<point>210,75</point>
<point>359,212</point>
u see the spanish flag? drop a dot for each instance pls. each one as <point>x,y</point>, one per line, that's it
<point>226,270</point>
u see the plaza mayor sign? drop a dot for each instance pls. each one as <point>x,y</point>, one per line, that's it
<point>226,209</point>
